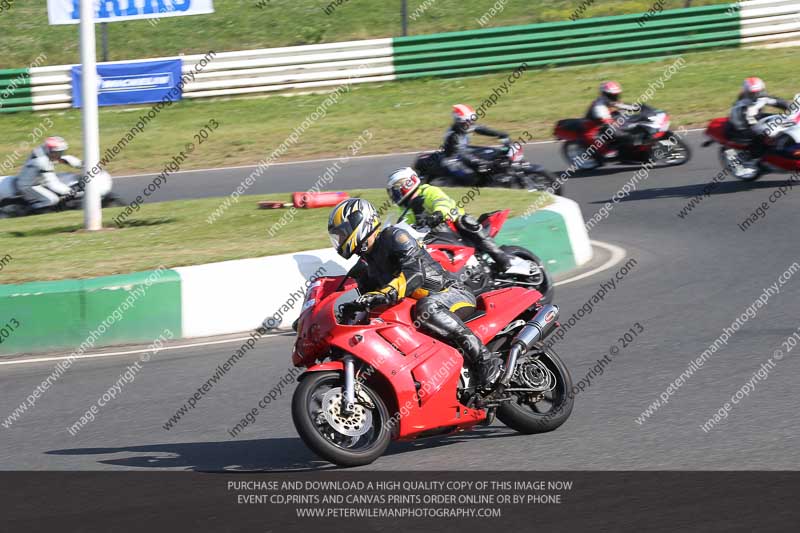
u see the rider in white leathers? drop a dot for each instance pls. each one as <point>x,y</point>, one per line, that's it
<point>37,181</point>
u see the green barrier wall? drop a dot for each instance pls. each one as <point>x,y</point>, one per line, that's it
<point>545,234</point>
<point>110,310</point>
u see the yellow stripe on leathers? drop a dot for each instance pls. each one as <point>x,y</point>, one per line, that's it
<point>398,284</point>
<point>459,305</point>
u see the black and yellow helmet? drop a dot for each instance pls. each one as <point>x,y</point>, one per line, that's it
<point>350,224</point>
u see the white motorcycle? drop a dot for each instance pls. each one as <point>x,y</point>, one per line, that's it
<point>12,203</point>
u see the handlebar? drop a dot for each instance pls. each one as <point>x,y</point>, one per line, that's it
<point>349,312</point>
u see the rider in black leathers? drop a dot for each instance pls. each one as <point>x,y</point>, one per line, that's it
<point>393,266</point>
<point>458,160</point>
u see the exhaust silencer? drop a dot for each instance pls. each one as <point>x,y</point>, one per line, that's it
<point>540,326</point>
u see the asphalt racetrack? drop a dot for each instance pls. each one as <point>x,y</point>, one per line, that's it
<point>689,279</point>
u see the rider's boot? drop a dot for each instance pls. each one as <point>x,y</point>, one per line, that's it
<point>488,365</point>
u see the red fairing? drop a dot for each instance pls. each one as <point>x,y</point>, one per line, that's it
<point>436,366</point>
<point>452,257</point>
<point>495,221</point>
<point>583,130</point>
<point>420,374</point>
<point>784,163</point>
<point>498,311</point>
<point>716,130</point>
<point>316,318</point>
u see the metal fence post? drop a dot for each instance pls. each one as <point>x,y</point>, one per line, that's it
<point>404,15</point>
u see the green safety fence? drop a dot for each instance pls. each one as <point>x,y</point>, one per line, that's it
<point>614,38</point>
<point>16,91</point>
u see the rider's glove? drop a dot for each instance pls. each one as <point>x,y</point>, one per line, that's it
<point>72,161</point>
<point>373,299</point>
<point>434,219</point>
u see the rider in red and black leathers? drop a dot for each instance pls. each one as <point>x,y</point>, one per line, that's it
<point>458,160</point>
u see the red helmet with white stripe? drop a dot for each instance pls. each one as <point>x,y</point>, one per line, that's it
<point>754,87</point>
<point>611,90</point>
<point>55,145</point>
<point>464,114</point>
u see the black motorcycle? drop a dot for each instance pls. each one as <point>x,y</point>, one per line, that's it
<point>505,166</point>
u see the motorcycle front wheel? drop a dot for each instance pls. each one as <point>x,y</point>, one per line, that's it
<point>541,180</point>
<point>346,440</point>
<point>739,164</point>
<point>547,409</point>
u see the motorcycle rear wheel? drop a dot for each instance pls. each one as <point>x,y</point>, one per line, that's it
<point>113,201</point>
<point>572,150</point>
<point>526,417</point>
<point>313,398</point>
<point>671,152</point>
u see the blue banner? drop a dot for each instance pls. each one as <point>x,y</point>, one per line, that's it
<point>133,83</point>
<point>68,11</point>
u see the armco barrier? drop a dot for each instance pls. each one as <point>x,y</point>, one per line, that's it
<point>294,68</point>
<point>761,23</point>
<point>230,296</point>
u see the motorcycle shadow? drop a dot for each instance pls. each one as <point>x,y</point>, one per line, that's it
<point>607,170</point>
<point>698,189</point>
<point>255,455</point>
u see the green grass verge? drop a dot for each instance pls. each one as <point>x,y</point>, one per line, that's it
<point>242,25</point>
<point>404,116</point>
<point>172,234</point>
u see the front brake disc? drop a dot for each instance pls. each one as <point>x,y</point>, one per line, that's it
<point>355,424</point>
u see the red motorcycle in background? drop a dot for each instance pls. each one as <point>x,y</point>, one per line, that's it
<point>781,152</point>
<point>475,269</point>
<point>372,377</point>
<point>655,142</point>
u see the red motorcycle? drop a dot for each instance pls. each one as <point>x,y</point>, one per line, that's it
<point>475,270</point>
<point>650,127</point>
<point>372,377</point>
<point>781,151</point>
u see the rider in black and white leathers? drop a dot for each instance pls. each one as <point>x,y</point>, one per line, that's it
<point>746,112</point>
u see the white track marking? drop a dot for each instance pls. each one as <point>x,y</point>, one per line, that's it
<point>617,254</point>
<point>322,160</point>
<point>131,352</point>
